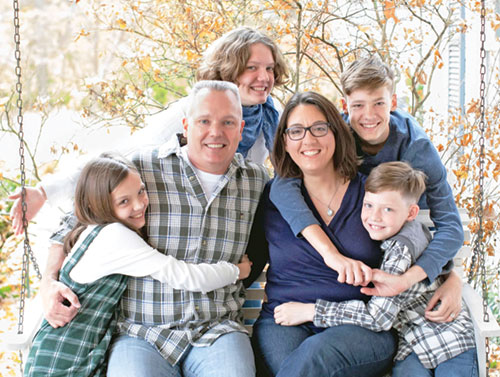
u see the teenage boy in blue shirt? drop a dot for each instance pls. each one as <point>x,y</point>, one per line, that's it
<point>384,133</point>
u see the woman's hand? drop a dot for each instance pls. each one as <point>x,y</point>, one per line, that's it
<point>450,296</point>
<point>35,198</point>
<point>245,266</point>
<point>293,313</point>
<point>350,271</point>
<point>386,284</point>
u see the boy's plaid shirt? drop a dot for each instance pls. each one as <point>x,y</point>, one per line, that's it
<point>432,342</point>
<point>182,223</point>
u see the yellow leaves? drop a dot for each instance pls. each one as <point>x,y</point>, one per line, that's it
<point>190,55</point>
<point>363,29</point>
<point>461,173</point>
<point>145,63</point>
<point>48,168</point>
<point>156,75</point>
<point>121,23</point>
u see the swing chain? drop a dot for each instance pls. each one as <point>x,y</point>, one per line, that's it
<point>28,253</point>
<point>478,249</point>
<point>482,157</point>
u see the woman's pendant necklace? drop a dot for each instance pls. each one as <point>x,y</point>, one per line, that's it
<point>330,212</point>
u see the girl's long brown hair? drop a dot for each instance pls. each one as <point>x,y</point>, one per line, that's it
<point>92,201</point>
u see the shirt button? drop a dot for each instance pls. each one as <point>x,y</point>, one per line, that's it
<point>197,307</point>
<point>204,243</point>
<point>192,178</point>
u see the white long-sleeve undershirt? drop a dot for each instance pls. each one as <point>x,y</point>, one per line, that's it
<point>119,250</point>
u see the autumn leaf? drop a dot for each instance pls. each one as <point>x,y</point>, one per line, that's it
<point>390,10</point>
<point>121,23</point>
<point>145,63</point>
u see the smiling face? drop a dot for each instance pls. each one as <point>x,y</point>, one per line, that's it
<point>369,113</point>
<point>213,130</point>
<point>384,213</point>
<point>130,200</point>
<point>257,80</point>
<point>311,154</point>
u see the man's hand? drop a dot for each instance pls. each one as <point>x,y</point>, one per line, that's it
<point>293,313</point>
<point>386,284</point>
<point>35,198</point>
<point>350,271</point>
<point>450,296</point>
<point>245,266</point>
<point>60,304</point>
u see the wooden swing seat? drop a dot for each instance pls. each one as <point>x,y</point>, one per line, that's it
<point>255,294</point>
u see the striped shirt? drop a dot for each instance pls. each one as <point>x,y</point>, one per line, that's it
<point>432,342</point>
<point>182,222</point>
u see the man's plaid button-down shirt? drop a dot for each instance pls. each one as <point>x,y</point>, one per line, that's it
<point>181,222</point>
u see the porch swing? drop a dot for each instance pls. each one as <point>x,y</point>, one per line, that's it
<point>485,325</point>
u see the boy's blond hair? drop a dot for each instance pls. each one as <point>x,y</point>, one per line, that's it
<point>397,176</point>
<point>367,73</point>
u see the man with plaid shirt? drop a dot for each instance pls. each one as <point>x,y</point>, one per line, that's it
<point>203,199</point>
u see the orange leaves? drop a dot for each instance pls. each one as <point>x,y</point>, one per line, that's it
<point>465,140</point>
<point>473,107</point>
<point>462,173</point>
<point>82,33</point>
<point>390,10</point>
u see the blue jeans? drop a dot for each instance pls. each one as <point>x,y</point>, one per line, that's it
<point>289,351</point>
<point>463,365</point>
<point>230,355</point>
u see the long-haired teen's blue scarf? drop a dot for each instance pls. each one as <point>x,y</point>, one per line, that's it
<point>258,118</point>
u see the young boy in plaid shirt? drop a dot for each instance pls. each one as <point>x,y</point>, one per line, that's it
<point>425,348</point>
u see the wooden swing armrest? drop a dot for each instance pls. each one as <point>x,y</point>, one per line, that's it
<point>474,303</point>
<point>482,329</point>
<point>33,316</point>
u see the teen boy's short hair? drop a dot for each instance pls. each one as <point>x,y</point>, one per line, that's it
<point>367,73</point>
<point>397,176</point>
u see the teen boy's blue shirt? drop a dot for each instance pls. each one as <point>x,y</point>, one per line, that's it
<point>408,142</point>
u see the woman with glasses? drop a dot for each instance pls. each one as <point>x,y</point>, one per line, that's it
<point>313,143</point>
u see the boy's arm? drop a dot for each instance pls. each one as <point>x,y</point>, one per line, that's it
<point>287,197</point>
<point>380,313</point>
<point>449,236</point>
<point>349,270</point>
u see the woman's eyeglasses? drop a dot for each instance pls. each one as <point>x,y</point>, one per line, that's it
<point>298,132</point>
